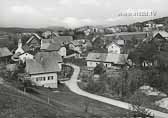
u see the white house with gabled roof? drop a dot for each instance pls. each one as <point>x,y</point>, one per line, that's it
<point>113,48</point>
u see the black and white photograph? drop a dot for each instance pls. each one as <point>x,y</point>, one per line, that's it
<point>83,59</point>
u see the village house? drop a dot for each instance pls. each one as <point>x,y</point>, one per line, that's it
<point>160,36</point>
<point>34,42</point>
<point>49,34</point>
<point>5,55</point>
<point>49,45</point>
<point>63,40</point>
<point>57,43</point>
<point>108,59</point>
<point>113,47</point>
<point>43,71</point>
<point>126,40</point>
<point>76,45</point>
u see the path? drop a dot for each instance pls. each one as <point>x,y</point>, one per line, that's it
<point>73,86</point>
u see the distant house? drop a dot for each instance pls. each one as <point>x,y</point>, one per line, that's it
<point>5,55</point>
<point>76,45</point>
<point>114,48</point>
<point>43,72</point>
<point>34,42</point>
<point>49,34</point>
<point>49,45</point>
<point>160,36</point>
<point>63,40</point>
<point>108,59</point>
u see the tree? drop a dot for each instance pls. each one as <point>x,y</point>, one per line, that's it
<point>145,52</point>
<point>99,69</point>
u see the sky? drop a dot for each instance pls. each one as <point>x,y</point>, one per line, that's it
<point>76,13</point>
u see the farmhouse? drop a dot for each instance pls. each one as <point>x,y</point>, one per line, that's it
<point>34,42</point>
<point>43,72</point>
<point>108,59</point>
<point>76,45</point>
<point>63,40</point>
<point>49,45</point>
<point>114,48</point>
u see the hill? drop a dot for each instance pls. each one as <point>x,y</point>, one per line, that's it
<point>24,30</point>
<point>163,20</point>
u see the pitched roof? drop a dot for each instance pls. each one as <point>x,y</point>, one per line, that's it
<point>77,42</point>
<point>63,39</point>
<point>50,45</point>
<point>34,35</point>
<point>41,66</point>
<point>120,42</point>
<point>4,52</point>
<point>45,55</point>
<point>164,34</point>
<point>96,56</point>
<point>113,42</point>
<point>108,57</point>
<point>117,58</point>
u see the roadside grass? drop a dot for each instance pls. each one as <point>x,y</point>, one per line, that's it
<point>66,103</point>
<point>16,105</point>
<point>79,103</point>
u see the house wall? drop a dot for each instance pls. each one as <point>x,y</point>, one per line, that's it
<point>107,65</point>
<point>62,51</point>
<point>60,65</point>
<point>26,56</point>
<point>114,49</point>
<point>45,80</point>
<point>92,64</point>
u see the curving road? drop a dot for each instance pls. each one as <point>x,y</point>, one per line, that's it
<point>73,86</point>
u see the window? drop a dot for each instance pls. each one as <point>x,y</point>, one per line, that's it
<point>50,77</point>
<point>40,79</point>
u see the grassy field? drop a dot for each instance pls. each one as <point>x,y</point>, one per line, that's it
<point>62,104</point>
<point>16,105</point>
<point>79,103</point>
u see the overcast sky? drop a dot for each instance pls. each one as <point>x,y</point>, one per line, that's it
<point>74,13</point>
